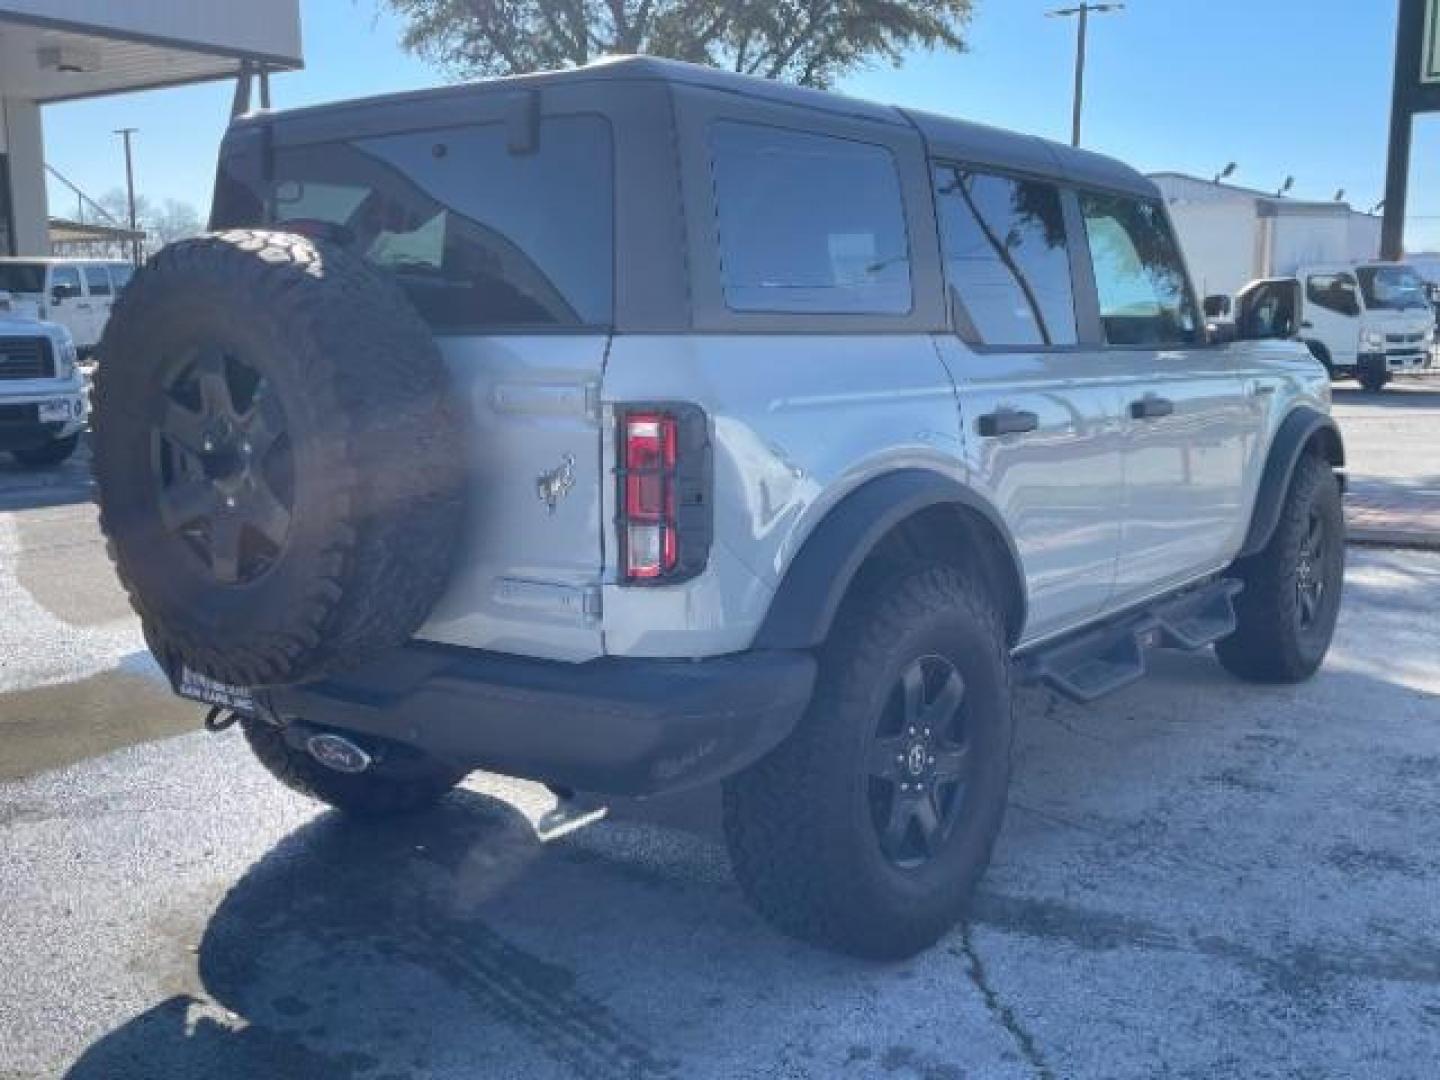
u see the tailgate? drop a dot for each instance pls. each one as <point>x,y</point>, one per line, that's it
<point>528,580</point>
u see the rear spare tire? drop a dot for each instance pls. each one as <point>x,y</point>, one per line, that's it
<point>278,458</point>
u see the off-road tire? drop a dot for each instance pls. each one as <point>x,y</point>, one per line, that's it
<point>1271,644</point>
<point>802,843</point>
<point>389,788</point>
<point>1372,381</point>
<point>375,438</point>
<point>48,455</point>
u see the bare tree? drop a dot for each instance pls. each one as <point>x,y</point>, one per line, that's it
<point>812,42</point>
<point>163,224</point>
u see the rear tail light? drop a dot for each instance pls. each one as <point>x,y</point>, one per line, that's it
<point>664,521</point>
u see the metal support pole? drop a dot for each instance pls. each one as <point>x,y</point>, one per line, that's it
<point>126,133</point>
<point>1409,32</point>
<point>1080,35</point>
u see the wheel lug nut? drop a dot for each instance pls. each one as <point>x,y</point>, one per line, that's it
<point>899,759</point>
<point>912,731</point>
<point>932,761</point>
<point>230,501</point>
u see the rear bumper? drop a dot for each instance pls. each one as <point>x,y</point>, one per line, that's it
<point>614,726</point>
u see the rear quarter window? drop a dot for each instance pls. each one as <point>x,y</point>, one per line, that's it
<point>479,237</point>
<point>808,223</point>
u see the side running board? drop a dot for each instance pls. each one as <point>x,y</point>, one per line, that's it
<point>1096,662</point>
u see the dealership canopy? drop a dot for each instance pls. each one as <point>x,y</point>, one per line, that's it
<point>62,50</point>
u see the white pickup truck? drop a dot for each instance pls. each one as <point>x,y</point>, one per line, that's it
<point>42,398</point>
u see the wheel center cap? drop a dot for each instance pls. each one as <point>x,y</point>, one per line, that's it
<point>223,462</point>
<point>915,759</point>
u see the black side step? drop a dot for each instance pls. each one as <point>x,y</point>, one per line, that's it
<point>1096,662</point>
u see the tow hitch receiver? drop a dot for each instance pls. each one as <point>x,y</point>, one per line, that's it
<point>338,753</point>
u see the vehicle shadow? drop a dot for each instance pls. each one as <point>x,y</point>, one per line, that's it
<point>1398,395</point>
<point>348,938</point>
<point>66,484</point>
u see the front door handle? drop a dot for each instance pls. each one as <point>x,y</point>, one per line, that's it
<point>1151,407</point>
<point>1007,422</point>
<point>1307,325</point>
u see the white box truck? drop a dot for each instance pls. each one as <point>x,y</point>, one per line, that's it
<point>1304,270</point>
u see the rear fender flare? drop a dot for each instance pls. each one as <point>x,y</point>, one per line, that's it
<point>820,574</point>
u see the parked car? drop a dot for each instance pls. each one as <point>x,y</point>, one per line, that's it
<point>42,401</point>
<point>76,293</point>
<point>639,426</point>
<point>1369,322</point>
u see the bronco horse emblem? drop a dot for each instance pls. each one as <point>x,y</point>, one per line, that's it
<point>555,484</point>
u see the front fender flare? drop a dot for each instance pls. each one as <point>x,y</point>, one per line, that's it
<point>805,604</point>
<point>1295,435</point>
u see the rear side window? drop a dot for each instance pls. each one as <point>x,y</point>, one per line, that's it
<point>1006,258</point>
<point>22,277</point>
<point>1334,292</point>
<point>808,223</point>
<point>1144,294</point>
<point>67,277</point>
<point>479,237</point>
<point>97,280</point>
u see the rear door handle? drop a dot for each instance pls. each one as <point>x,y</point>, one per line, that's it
<point>1007,422</point>
<point>1151,407</point>
<point>1307,325</point>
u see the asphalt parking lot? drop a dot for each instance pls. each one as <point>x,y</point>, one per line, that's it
<point>1197,878</point>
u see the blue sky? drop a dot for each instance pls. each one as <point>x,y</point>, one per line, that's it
<point>1282,87</point>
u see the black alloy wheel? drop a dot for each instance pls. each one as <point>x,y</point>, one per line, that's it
<point>919,761</point>
<point>867,829</point>
<point>224,466</point>
<point>1310,594</point>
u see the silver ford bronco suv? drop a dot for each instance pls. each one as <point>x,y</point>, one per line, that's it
<point>640,426</point>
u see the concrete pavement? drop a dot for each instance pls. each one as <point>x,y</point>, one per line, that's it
<point>1197,878</point>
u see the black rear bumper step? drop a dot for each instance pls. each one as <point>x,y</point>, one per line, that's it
<point>1101,660</point>
<point>612,726</point>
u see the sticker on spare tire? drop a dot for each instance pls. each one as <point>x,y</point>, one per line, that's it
<point>209,691</point>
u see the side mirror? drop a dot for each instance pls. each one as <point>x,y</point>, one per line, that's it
<point>63,292</point>
<point>1217,306</point>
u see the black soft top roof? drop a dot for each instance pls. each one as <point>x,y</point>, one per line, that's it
<point>946,137</point>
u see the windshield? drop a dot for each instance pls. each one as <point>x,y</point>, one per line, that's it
<point>1392,288</point>
<point>22,277</point>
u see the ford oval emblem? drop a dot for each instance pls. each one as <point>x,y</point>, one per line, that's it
<point>338,753</point>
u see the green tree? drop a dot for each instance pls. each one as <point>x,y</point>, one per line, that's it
<point>812,42</point>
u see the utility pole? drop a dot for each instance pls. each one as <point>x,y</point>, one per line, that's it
<point>1082,10</point>
<point>125,134</point>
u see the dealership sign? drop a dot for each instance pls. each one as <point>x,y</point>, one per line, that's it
<point>1430,55</point>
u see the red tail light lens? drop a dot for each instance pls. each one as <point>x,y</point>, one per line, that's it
<point>650,528</point>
